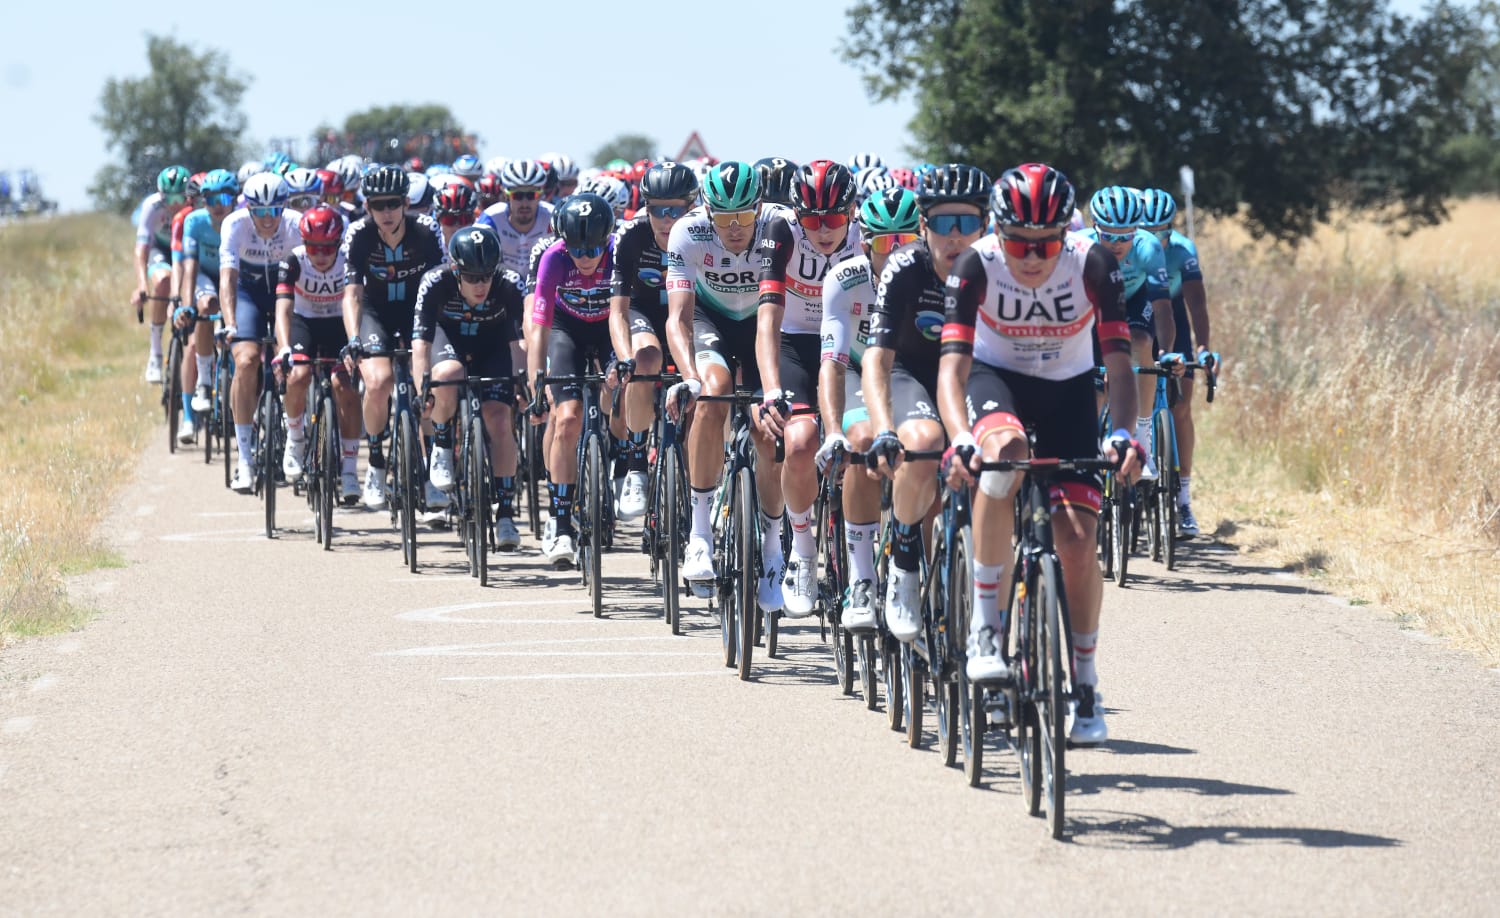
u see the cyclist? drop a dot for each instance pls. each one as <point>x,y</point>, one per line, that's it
<point>522,219</point>
<point>491,190</point>
<point>467,167</point>
<point>566,172</point>
<point>188,376</point>
<point>254,242</point>
<point>713,295</point>
<point>1024,307</point>
<point>333,188</point>
<point>309,325</point>
<point>887,221</point>
<point>386,253</point>
<point>454,209</point>
<point>569,324</point>
<point>1116,212</point>
<point>304,189</point>
<point>795,255</point>
<point>468,318</point>
<point>638,309</point>
<point>199,290</point>
<point>153,256</point>
<point>1190,316</point>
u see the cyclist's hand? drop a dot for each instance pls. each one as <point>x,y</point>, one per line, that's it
<point>680,396</point>
<point>537,410</point>
<point>619,373</point>
<point>771,415</point>
<point>138,300</point>
<point>283,364</point>
<point>354,352</point>
<point>830,455</point>
<point>184,317</point>
<point>1174,362</point>
<point>1127,455</point>
<point>1208,359</point>
<point>884,454</point>
<point>956,459</point>
<point>225,334</point>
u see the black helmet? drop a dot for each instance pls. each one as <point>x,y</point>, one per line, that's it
<point>776,177</point>
<point>385,182</point>
<point>475,250</point>
<point>669,182</point>
<point>585,221</point>
<point>954,183</point>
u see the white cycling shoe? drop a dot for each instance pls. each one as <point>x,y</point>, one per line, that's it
<point>507,536</point>
<point>799,586</point>
<point>291,460</point>
<point>632,503</point>
<point>859,613</point>
<point>903,600</point>
<point>1088,727</point>
<point>373,495</point>
<point>768,593</point>
<point>698,561</point>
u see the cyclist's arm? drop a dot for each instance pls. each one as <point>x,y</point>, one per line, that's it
<point>1105,290</point>
<point>681,303</point>
<point>1158,294</point>
<point>229,279</point>
<point>540,314</point>
<point>875,380</point>
<point>834,356</point>
<point>619,326</point>
<point>961,301</point>
<point>776,250</point>
<point>185,284</point>
<point>141,252</point>
<point>1195,298</point>
<point>831,395</point>
<point>1166,329</point>
<point>623,268</point>
<point>354,296</point>
<point>424,323</point>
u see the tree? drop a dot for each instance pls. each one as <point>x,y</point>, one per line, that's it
<point>629,147</point>
<point>185,111</point>
<point>395,133</point>
<point>1283,108</point>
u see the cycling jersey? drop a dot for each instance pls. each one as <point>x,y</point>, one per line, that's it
<point>201,240</point>
<point>315,294</point>
<point>723,282</point>
<point>535,259</point>
<point>848,300</point>
<point>907,317</point>
<point>1181,262</point>
<point>391,274</point>
<point>796,283</point>
<point>155,225</point>
<point>441,304</point>
<point>640,269</point>
<point>1144,266</point>
<point>1042,332</point>
<point>515,246</point>
<point>561,287</point>
<point>177,223</point>
<point>257,257</point>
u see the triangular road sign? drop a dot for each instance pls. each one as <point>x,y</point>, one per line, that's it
<point>693,149</point>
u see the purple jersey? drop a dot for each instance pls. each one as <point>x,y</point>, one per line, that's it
<point>561,286</point>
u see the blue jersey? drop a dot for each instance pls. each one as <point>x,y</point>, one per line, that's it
<point>201,241</point>
<point>1145,265</point>
<point>1182,262</point>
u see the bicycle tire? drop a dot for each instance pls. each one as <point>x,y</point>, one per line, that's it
<point>532,459</point>
<point>864,653</point>
<point>891,675</point>
<point>726,555</point>
<point>406,483</point>
<point>1104,534</point>
<point>591,533</point>
<point>227,439</point>
<point>330,456</point>
<point>270,457</point>
<point>479,496</point>
<point>1120,531</point>
<point>1029,747</point>
<point>913,702</point>
<point>1052,702</point>
<point>970,715</point>
<point>172,392</point>
<point>671,513</point>
<point>209,425</point>
<point>1166,464</point>
<point>749,560</point>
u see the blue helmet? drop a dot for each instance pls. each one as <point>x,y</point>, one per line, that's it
<point>467,166</point>
<point>1117,207</point>
<point>1158,207</point>
<point>220,181</point>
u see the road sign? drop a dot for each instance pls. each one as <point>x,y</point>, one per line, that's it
<point>693,149</point>
<point>1185,174</point>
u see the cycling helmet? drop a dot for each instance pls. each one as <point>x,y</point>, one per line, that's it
<point>333,183</point>
<point>444,179</point>
<point>457,198</point>
<point>871,180</point>
<point>475,249</point>
<point>266,190</point>
<point>893,210</point>
<point>276,161</point>
<point>562,164</point>
<point>415,164</point>
<point>1032,195</point>
<point>523,173</point>
<point>173,180</point>
<point>1158,208</point>
<point>611,189</point>
<point>585,221</point>
<point>905,178</point>
<point>731,185</point>
<point>863,161</point>
<point>669,181</point>
<point>617,165</point>
<point>220,181</point>
<point>437,169</point>
<point>1116,206</point>
<point>195,185</point>
<point>954,183</point>
<point>351,171</point>
<point>419,191</point>
<point>282,169</point>
<point>385,181</point>
<point>490,188</point>
<point>550,183</point>
<point>303,181</point>
<point>494,164</point>
<point>321,225</point>
<point>822,187</point>
<point>468,166</point>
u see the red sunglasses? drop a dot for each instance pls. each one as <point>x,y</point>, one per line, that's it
<point>813,222</point>
<point>1018,248</point>
<point>463,218</point>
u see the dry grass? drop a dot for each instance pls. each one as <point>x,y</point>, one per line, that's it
<point>76,411</point>
<point>1355,433</point>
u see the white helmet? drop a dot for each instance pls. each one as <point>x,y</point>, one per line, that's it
<point>265,189</point>
<point>562,164</point>
<point>523,173</point>
<point>494,164</point>
<point>610,189</point>
<point>871,181</point>
<point>251,168</point>
<point>864,161</point>
<point>419,192</point>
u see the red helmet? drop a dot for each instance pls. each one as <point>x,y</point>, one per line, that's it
<point>415,164</point>
<point>321,225</point>
<point>333,183</point>
<point>905,178</point>
<point>456,198</point>
<point>491,187</point>
<point>822,187</point>
<point>1032,195</point>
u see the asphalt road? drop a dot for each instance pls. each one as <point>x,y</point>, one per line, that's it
<point>257,726</point>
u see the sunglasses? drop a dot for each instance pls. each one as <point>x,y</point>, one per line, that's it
<point>886,243</point>
<point>1019,248</point>
<point>463,218</point>
<point>524,195</point>
<point>1161,232</point>
<point>265,211</point>
<point>475,279</point>
<point>592,251</point>
<point>378,204</point>
<point>1106,236</point>
<point>963,224</point>
<point>323,248</point>
<point>219,199</point>
<point>302,201</point>
<point>667,211</point>
<point>724,219</point>
<point>814,222</point>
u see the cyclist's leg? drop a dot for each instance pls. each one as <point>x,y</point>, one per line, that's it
<point>912,495</point>
<point>1142,343</point>
<point>705,441</point>
<point>159,286</point>
<point>861,508</point>
<point>250,327</point>
<point>565,357</point>
<point>375,370</point>
<point>206,300</point>
<point>800,361</point>
<point>447,367</point>
<point>1000,435</point>
<point>639,412</point>
<point>302,341</point>
<point>1182,412</point>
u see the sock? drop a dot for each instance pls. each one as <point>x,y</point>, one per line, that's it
<point>442,434</point>
<point>156,339</point>
<point>243,434</point>
<point>703,505</point>
<point>562,506</point>
<point>294,426</point>
<point>350,448</point>
<point>861,539</point>
<point>1143,430</point>
<point>505,491</point>
<point>1084,644</point>
<point>802,532</point>
<point>205,370</point>
<point>986,597</point>
<point>637,459</point>
<point>906,552</point>
<point>622,458</point>
<point>377,454</point>
<point>187,404</point>
<point>1184,499</point>
<point>770,540</point>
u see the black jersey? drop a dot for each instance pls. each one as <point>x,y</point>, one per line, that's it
<point>908,313</point>
<point>391,274</point>
<point>640,267</point>
<point>439,303</point>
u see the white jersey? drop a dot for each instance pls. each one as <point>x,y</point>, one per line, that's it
<point>721,281</point>
<point>848,297</point>
<point>792,272</point>
<point>315,294</point>
<point>155,226</point>
<point>257,257</point>
<point>515,246</point>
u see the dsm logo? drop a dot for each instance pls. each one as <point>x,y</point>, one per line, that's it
<point>651,277</point>
<point>573,298</point>
<point>930,324</point>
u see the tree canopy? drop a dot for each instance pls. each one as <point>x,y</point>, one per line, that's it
<point>1284,108</point>
<point>629,147</point>
<point>395,133</point>
<point>185,111</point>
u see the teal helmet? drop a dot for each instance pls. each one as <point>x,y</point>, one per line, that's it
<point>173,180</point>
<point>1158,207</point>
<point>731,185</point>
<point>220,181</point>
<point>1116,207</point>
<point>893,210</point>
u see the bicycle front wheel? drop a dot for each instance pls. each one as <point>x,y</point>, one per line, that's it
<point>591,535</point>
<point>269,455</point>
<point>227,441</point>
<point>330,455</point>
<point>746,508</point>
<point>1053,691</point>
<point>172,392</point>
<point>1166,464</point>
<point>408,460</point>
<point>970,713</point>
<point>671,513</point>
<point>479,495</point>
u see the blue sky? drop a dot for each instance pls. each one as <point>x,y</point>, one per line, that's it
<point>664,70</point>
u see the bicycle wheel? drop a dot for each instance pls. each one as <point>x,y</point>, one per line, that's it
<point>532,454</point>
<point>409,458</point>
<point>329,458</point>
<point>890,672</point>
<point>970,713</point>
<point>746,508</point>
<point>1119,525</point>
<point>865,655</point>
<point>915,676</point>
<point>671,513</point>
<point>1166,464</point>
<point>172,391</point>
<point>209,424</point>
<point>1029,725</point>
<point>227,440</point>
<point>268,432</point>
<point>479,496</point>
<point>1054,690</point>
<point>590,535</point>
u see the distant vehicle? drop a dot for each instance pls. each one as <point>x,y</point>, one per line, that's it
<point>21,194</point>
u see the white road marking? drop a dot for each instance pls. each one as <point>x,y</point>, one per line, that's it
<point>546,676</point>
<point>44,682</point>
<point>218,535</point>
<point>445,613</point>
<point>480,650</point>
<point>17,725</point>
<point>222,513</point>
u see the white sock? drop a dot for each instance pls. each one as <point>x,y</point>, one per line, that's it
<point>294,425</point>
<point>243,434</point>
<point>802,532</point>
<point>703,507</point>
<point>986,597</point>
<point>1084,645</point>
<point>350,448</point>
<point>156,339</point>
<point>1184,499</point>
<point>861,539</point>
<point>205,370</point>
<point>770,540</point>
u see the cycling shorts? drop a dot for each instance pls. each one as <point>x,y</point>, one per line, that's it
<point>158,259</point>
<point>205,286</point>
<point>1060,413</point>
<point>312,338</point>
<point>1184,341</point>
<point>571,347</point>
<point>910,400</point>
<point>726,342</point>
<point>254,308</point>
<point>481,355</point>
<point>800,358</point>
<point>1138,311</point>
<point>648,321</point>
<point>383,332</point>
